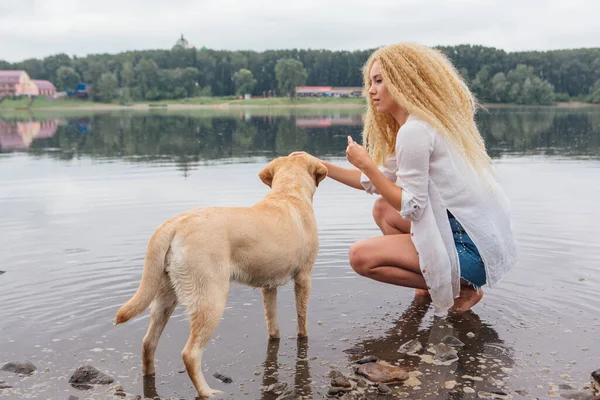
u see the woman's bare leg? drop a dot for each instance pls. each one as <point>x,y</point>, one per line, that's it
<point>390,259</point>
<point>390,222</point>
<point>388,219</point>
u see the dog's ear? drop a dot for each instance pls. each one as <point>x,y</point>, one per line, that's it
<point>320,173</point>
<point>267,173</point>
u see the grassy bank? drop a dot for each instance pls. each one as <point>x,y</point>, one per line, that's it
<point>213,105</point>
<point>40,103</point>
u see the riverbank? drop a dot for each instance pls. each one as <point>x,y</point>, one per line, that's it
<point>221,103</point>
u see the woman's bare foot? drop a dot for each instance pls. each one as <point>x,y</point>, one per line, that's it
<point>422,296</point>
<point>469,296</point>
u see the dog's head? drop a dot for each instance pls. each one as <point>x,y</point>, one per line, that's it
<point>305,161</point>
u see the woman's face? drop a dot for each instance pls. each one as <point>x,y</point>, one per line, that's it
<point>378,92</point>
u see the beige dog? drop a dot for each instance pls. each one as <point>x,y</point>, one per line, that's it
<point>192,258</point>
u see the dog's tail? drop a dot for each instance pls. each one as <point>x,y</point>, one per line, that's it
<point>154,270</point>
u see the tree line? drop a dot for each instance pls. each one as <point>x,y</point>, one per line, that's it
<point>532,77</point>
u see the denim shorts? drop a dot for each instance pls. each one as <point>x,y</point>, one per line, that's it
<point>472,269</point>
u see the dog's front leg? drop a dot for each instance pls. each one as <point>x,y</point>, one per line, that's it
<point>302,286</point>
<point>270,302</point>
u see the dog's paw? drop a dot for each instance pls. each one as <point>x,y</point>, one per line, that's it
<point>209,393</point>
<point>274,335</point>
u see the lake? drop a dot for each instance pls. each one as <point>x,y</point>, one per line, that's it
<point>81,194</point>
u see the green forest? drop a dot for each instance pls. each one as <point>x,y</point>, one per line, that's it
<point>494,75</point>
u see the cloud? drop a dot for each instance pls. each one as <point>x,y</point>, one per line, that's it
<point>38,28</point>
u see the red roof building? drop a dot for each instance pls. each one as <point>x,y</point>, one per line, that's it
<point>328,91</point>
<point>45,88</point>
<point>16,83</point>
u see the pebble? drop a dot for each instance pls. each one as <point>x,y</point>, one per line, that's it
<point>21,368</point>
<point>410,347</point>
<point>494,395</point>
<point>596,381</point>
<point>369,359</point>
<point>86,375</point>
<point>450,384</point>
<point>444,353</point>
<point>452,341</point>
<point>384,389</point>
<point>379,372</point>
<point>336,391</point>
<point>223,378</point>
<point>339,380</point>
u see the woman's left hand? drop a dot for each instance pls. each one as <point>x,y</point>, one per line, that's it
<point>357,155</point>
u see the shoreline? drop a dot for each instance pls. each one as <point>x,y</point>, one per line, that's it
<point>240,105</point>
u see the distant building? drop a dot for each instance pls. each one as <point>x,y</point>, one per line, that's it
<point>313,91</point>
<point>45,88</point>
<point>182,43</point>
<point>16,83</point>
<point>82,91</point>
<point>347,91</point>
<point>328,91</point>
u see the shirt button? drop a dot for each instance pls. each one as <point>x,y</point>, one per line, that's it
<point>415,206</point>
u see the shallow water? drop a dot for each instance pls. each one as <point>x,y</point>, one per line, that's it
<point>80,197</point>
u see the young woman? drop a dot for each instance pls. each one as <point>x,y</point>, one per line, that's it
<point>444,218</point>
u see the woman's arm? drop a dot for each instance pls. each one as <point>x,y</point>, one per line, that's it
<point>387,189</point>
<point>347,176</point>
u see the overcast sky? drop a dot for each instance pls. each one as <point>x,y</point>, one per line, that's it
<point>38,28</point>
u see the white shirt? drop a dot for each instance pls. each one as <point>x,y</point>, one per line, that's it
<point>435,178</point>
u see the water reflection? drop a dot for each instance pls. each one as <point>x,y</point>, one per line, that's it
<point>483,361</point>
<point>21,134</point>
<point>191,139</point>
<point>302,379</point>
<point>326,122</point>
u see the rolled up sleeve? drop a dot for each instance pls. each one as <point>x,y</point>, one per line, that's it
<point>414,145</point>
<point>366,182</point>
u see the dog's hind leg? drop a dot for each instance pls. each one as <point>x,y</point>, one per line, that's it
<point>205,314</point>
<point>161,309</point>
<point>302,287</point>
<point>270,303</point>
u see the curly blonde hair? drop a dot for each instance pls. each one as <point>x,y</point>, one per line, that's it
<point>425,83</point>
